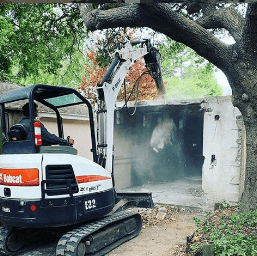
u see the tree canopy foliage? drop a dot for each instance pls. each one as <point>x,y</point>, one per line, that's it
<point>187,74</point>
<point>195,83</point>
<point>43,43</point>
<point>37,39</point>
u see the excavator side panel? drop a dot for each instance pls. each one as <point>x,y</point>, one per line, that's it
<point>66,190</point>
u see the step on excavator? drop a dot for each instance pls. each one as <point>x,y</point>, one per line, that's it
<point>49,188</point>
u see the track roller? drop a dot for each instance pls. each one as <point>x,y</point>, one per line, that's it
<point>100,237</point>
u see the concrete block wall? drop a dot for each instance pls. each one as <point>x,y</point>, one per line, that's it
<point>122,158</point>
<point>122,172</point>
<point>224,148</point>
<point>223,140</point>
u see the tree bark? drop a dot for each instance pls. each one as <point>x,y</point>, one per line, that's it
<point>249,196</point>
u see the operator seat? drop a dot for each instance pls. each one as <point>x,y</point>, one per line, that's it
<point>17,133</point>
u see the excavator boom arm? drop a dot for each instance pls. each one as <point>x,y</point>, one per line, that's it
<point>109,87</point>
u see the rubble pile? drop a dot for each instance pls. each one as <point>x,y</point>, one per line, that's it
<point>160,214</point>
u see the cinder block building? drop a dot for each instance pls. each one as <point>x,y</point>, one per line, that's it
<point>173,140</point>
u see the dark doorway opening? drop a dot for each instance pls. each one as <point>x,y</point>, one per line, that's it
<point>165,145</point>
<point>169,146</point>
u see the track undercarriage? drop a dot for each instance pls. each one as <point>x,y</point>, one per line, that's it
<point>94,238</point>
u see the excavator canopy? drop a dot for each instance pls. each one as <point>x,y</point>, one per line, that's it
<point>54,97</point>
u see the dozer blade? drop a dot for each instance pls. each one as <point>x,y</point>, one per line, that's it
<point>143,200</point>
<point>101,236</point>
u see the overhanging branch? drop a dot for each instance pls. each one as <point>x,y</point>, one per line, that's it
<point>162,18</point>
<point>228,18</point>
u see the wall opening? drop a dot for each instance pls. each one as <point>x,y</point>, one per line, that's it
<point>171,146</point>
<point>165,147</point>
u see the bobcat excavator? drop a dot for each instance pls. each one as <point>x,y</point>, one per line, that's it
<point>51,188</point>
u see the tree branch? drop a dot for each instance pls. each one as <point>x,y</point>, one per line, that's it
<point>228,18</point>
<point>116,17</point>
<point>162,18</point>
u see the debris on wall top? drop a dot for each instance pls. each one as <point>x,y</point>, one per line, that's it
<point>175,101</point>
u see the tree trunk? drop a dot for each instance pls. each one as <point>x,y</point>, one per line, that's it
<point>246,103</point>
<point>249,196</point>
<point>245,96</point>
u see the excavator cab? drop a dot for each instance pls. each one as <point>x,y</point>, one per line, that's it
<point>38,175</point>
<point>17,139</point>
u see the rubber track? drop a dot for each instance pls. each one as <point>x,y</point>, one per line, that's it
<point>68,243</point>
<point>4,232</point>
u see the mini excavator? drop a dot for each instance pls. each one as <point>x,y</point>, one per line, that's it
<point>52,188</point>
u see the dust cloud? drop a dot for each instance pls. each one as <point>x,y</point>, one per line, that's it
<point>162,157</point>
<point>157,147</point>
<point>163,134</point>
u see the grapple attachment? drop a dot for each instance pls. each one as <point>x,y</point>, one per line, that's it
<point>153,63</point>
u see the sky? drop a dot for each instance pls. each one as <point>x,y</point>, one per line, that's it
<point>219,75</point>
<point>223,82</point>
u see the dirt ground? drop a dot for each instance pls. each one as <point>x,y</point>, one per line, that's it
<point>164,233</point>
